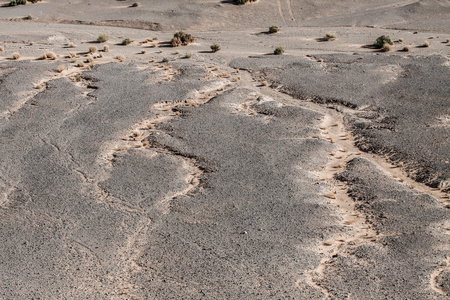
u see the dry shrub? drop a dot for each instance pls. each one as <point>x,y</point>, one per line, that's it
<point>16,56</point>
<point>386,48</point>
<point>181,39</point>
<point>330,37</point>
<point>106,48</point>
<point>92,49</point>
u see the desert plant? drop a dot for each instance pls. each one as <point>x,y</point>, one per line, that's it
<point>135,4</point>
<point>187,55</point>
<point>215,48</point>
<point>61,68</point>
<point>92,49</point>
<point>400,40</point>
<point>381,40</point>
<point>165,60</point>
<point>274,29</point>
<point>106,48</point>
<point>447,41</point>
<point>426,44</point>
<point>143,51</point>
<point>16,56</point>
<point>329,37</point>
<point>240,2</point>
<point>2,49</point>
<point>72,55</point>
<point>78,78</point>
<point>407,48</point>
<point>120,58</point>
<point>90,59</point>
<point>38,86</point>
<point>386,48</point>
<point>17,2</point>
<point>80,64</point>
<point>48,55</point>
<point>181,39</point>
<point>279,50</point>
<point>102,38</point>
<point>70,45</point>
<point>126,41</point>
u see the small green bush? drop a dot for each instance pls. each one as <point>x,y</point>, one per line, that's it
<point>273,29</point>
<point>215,48</point>
<point>22,2</point>
<point>102,38</point>
<point>381,40</point>
<point>279,50</point>
<point>240,2</point>
<point>181,39</point>
<point>126,41</point>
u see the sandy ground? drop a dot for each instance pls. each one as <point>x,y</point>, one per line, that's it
<point>151,172</point>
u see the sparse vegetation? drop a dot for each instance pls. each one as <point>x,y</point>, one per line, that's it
<point>279,50</point>
<point>165,60</point>
<point>426,44</point>
<point>16,56</point>
<point>143,51</point>
<point>400,40</point>
<point>447,41</point>
<point>2,49</point>
<point>106,48</point>
<point>78,78</point>
<point>407,48</point>
<point>120,58</point>
<point>80,64</point>
<point>102,38</point>
<point>381,40</point>
<point>72,55</point>
<point>135,4</point>
<point>49,55</point>
<point>71,45</point>
<point>215,48</point>
<point>92,49</point>
<point>38,86</point>
<point>188,55</point>
<point>90,59</point>
<point>240,2</point>
<point>17,2</point>
<point>274,29</point>
<point>22,2</point>
<point>330,37</point>
<point>61,68</point>
<point>126,41</point>
<point>386,48</point>
<point>181,39</point>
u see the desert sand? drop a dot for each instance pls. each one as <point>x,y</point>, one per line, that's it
<point>146,171</point>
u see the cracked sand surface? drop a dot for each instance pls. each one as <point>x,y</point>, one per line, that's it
<point>232,175</point>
